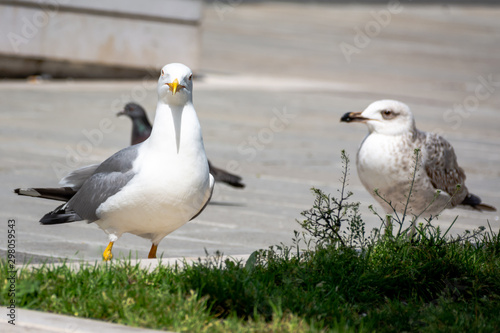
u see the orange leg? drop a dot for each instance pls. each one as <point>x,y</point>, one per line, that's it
<point>107,255</point>
<point>152,252</point>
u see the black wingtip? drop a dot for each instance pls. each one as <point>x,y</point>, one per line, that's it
<point>51,218</point>
<point>474,202</point>
<point>29,192</point>
<point>55,193</point>
<point>60,215</point>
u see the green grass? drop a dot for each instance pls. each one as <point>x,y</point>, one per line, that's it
<point>331,280</point>
<point>392,286</point>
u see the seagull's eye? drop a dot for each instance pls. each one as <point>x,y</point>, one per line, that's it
<point>162,73</point>
<point>190,77</point>
<point>388,114</point>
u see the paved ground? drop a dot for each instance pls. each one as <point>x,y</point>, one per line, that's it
<point>266,65</point>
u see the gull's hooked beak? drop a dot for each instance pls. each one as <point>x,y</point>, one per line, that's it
<point>353,117</point>
<point>175,86</point>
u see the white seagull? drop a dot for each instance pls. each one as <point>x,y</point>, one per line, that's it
<point>385,161</point>
<point>149,189</point>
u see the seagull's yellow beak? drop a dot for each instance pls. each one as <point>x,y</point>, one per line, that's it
<point>175,86</point>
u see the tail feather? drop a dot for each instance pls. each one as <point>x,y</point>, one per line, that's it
<point>60,215</point>
<point>226,177</point>
<point>474,202</point>
<point>57,193</point>
<point>485,208</point>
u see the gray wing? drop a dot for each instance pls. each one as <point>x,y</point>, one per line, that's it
<point>442,168</point>
<point>109,178</point>
<point>77,177</point>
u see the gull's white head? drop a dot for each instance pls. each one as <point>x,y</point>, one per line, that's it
<point>175,85</point>
<point>386,116</point>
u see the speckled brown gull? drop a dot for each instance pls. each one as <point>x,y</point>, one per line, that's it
<point>386,160</point>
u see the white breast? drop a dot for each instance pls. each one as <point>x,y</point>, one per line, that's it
<point>387,163</point>
<point>171,185</point>
<point>380,164</point>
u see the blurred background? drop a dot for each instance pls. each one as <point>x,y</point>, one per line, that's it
<point>272,80</point>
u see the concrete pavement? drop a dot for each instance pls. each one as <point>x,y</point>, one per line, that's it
<point>41,322</point>
<point>276,78</point>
